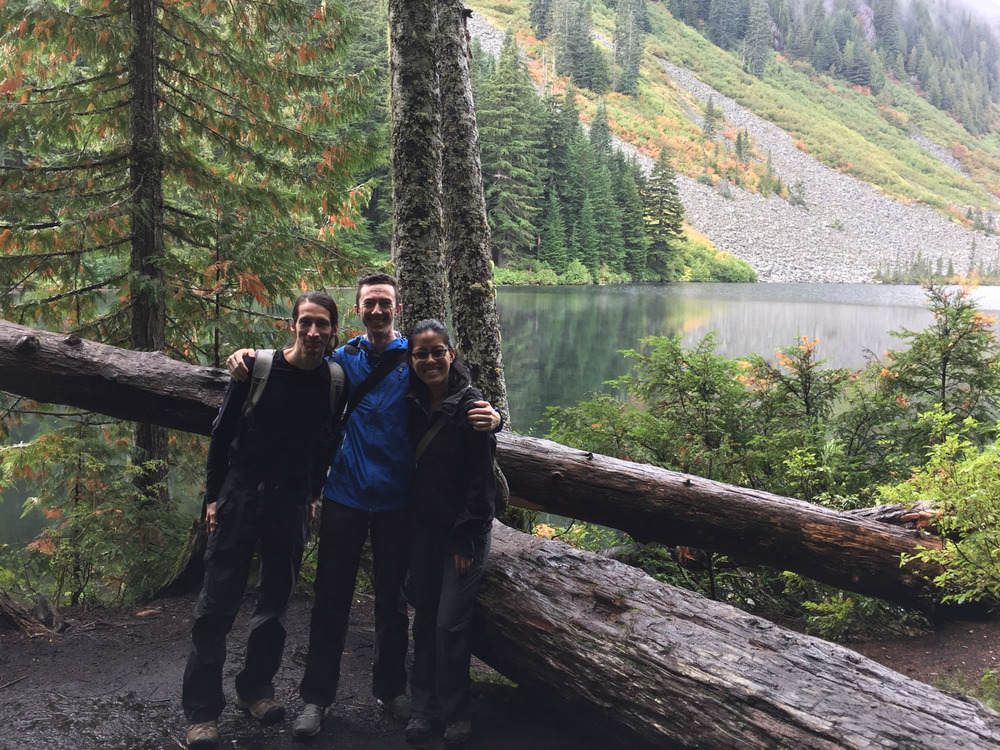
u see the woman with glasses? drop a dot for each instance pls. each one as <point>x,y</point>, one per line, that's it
<point>451,507</point>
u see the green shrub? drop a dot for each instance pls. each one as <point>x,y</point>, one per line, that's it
<point>576,273</point>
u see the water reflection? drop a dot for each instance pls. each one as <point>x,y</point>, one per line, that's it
<point>561,343</point>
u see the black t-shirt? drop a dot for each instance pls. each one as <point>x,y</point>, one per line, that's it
<point>283,438</point>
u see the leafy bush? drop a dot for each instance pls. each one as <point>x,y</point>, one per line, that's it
<point>577,273</point>
<point>962,483</point>
<point>108,542</point>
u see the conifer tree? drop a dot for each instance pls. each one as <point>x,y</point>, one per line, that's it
<point>566,153</point>
<point>664,217</point>
<point>510,123</point>
<point>608,220</point>
<point>552,249</point>
<point>585,238</point>
<point>758,38</point>
<point>600,134</point>
<point>538,16</point>
<point>191,155</point>
<point>629,17</point>
<point>710,123</point>
<point>628,178</point>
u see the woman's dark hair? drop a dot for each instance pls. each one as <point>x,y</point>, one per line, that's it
<point>325,301</point>
<point>459,372</point>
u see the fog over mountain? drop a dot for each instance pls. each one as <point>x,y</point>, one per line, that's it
<point>988,10</point>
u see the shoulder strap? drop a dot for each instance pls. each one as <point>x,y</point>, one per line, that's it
<point>390,361</point>
<point>258,379</point>
<point>434,430</point>
<point>261,370</point>
<point>336,386</point>
<point>429,435</point>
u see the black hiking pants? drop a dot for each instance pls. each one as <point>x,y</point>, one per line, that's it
<point>342,535</point>
<point>245,513</point>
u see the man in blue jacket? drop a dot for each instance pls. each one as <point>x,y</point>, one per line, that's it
<point>366,496</point>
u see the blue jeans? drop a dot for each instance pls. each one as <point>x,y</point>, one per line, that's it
<point>342,535</point>
<point>442,625</point>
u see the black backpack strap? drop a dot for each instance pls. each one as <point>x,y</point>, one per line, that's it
<point>433,430</point>
<point>390,361</point>
<point>429,435</point>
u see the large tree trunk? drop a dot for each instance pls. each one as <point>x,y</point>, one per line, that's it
<point>651,504</point>
<point>416,161</point>
<point>656,666</point>
<point>466,232</point>
<point>146,281</point>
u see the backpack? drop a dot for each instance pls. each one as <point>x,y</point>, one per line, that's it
<point>262,369</point>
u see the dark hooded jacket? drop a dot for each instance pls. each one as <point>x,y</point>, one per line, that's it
<point>453,486</point>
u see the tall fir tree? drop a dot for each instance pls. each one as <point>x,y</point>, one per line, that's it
<point>190,156</point>
<point>514,174</point>
<point>757,42</point>
<point>629,17</point>
<point>585,238</point>
<point>553,243</point>
<point>628,177</point>
<point>664,219</point>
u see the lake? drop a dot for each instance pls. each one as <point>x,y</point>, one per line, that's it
<point>561,343</point>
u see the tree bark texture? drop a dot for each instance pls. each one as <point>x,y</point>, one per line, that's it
<point>14,617</point>
<point>467,252</point>
<point>146,281</point>
<point>659,667</point>
<point>651,504</point>
<point>656,505</point>
<point>140,386</point>
<point>416,161</point>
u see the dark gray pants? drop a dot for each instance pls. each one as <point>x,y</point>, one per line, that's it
<point>342,535</point>
<point>244,515</point>
<point>442,625</point>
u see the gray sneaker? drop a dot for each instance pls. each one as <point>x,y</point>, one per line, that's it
<point>307,724</point>
<point>457,732</point>
<point>204,735</point>
<point>264,710</point>
<point>418,729</point>
<point>398,707</point>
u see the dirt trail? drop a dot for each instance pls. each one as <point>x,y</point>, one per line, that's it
<point>112,682</point>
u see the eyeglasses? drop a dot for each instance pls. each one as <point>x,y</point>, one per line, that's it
<point>438,353</point>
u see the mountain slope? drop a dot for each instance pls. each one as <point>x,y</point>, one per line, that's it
<point>909,150</point>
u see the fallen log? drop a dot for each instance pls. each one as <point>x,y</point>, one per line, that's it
<point>651,504</point>
<point>15,617</point>
<point>147,387</point>
<point>656,666</point>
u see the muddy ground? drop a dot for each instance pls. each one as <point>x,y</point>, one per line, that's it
<point>111,681</point>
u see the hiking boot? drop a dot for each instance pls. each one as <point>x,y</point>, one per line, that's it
<point>264,710</point>
<point>398,707</point>
<point>308,722</point>
<point>203,736</point>
<point>457,732</point>
<point>418,729</point>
